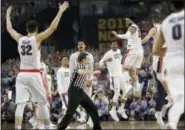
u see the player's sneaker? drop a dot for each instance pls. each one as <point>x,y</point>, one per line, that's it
<point>121,111</point>
<point>89,122</point>
<point>160,121</point>
<point>68,127</point>
<point>113,114</point>
<point>82,118</point>
<point>32,121</point>
<point>170,126</point>
<point>52,125</point>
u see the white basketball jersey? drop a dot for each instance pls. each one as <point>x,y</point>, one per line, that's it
<point>134,41</point>
<point>173,30</point>
<point>29,53</point>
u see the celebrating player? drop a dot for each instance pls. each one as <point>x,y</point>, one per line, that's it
<point>29,82</point>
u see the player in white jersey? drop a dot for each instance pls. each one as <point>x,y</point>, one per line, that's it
<point>112,59</point>
<point>134,57</point>
<point>63,80</point>
<point>172,33</point>
<point>29,84</point>
<point>159,72</point>
<point>72,64</point>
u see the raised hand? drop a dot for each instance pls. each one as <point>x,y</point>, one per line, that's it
<point>63,6</point>
<point>9,10</point>
<point>114,33</point>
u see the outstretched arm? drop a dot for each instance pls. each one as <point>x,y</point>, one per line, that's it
<point>15,35</point>
<point>149,35</point>
<point>130,31</point>
<point>41,36</point>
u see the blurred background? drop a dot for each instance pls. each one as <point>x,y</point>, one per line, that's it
<point>92,22</point>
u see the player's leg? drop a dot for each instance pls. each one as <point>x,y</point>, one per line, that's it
<point>176,89</point>
<point>160,99</point>
<point>91,110</point>
<point>38,93</point>
<point>126,88</point>
<point>22,96</point>
<point>116,87</point>
<point>64,99</point>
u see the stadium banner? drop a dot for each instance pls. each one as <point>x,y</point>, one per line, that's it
<point>97,29</point>
<point>105,26</point>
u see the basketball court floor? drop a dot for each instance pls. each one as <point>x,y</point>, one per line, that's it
<point>108,125</point>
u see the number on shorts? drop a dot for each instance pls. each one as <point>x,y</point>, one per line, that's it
<point>176,32</point>
<point>26,50</point>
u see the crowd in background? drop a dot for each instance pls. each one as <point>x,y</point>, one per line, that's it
<point>137,108</point>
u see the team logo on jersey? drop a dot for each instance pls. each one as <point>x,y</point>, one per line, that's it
<point>117,56</point>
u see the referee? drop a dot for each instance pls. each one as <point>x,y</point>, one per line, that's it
<point>77,96</point>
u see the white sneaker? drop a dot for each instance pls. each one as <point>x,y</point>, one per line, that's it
<point>121,111</point>
<point>68,127</point>
<point>89,122</point>
<point>41,126</point>
<point>32,121</point>
<point>52,125</point>
<point>81,119</point>
<point>113,114</point>
<point>159,120</point>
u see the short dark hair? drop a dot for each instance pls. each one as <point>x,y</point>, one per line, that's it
<point>82,56</point>
<point>178,4</point>
<point>32,26</point>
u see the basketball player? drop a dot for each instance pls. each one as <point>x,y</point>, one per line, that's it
<point>112,59</point>
<point>134,57</point>
<point>159,71</point>
<point>63,81</point>
<point>29,81</point>
<point>172,33</point>
<point>72,64</point>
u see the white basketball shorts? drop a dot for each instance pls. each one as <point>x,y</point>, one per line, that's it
<point>29,86</point>
<point>133,58</point>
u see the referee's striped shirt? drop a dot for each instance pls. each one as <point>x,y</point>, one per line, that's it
<point>78,80</point>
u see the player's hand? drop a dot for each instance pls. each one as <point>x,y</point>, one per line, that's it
<point>9,10</point>
<point>63,6</point>
<point>114,33</point>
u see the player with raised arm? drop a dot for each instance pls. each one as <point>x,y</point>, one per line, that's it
<point>172,33</point>
<point>134,56</point>
<point>29,82</point>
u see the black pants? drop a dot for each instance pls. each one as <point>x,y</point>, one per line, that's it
<point>78,97</point>
<point>160,95</point>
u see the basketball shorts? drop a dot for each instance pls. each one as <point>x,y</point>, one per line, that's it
<point>133,59</point>
<point>29,86</point>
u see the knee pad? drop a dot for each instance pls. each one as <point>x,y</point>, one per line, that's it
<point>43,111</point>
<point>20,109</point>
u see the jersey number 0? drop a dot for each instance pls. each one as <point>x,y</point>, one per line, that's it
<point>176,32</point>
